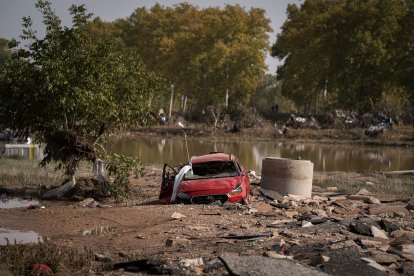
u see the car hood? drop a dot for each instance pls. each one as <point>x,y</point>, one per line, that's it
<point>209,185</point>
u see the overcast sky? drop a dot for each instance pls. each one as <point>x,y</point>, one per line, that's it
<point>12,11</point>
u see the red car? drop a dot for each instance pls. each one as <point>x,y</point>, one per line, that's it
<point>206,179</point>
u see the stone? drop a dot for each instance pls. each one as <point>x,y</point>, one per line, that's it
<point>178,216</point>
<point>177,241</point>
<point>377,233</point>
<point>409,257</point>
<point>342,245</point>
<point>360,227</point>
<point>306,224</point>
<point>318,220</point>
<point>365,198</point>
<point>410,205</point>
<point>385,258</point>
<point>260,265</point>
<point>319,212</point>
<point>291,214</point>
<point>263,207</point>
<point>282,221</point>
<point>389,226</point>
<point>273,254</point>
<point>319,260</point>
<point>376,210</point>
<point>332,189</point>
<point>374,264</point>
<point>406,248</point>
<point>347,261</point>
<point>407,268</point>
<point>372,242</point>
<point>192,262</point>
<point>364,192</point>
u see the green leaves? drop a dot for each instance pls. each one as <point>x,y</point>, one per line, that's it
<point>72,87</point>
<point>343,48</point>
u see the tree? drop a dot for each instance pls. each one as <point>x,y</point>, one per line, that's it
<point>341,49</point>
<point>5,52</point>
<point>204,53</point>
<point>72,87</point>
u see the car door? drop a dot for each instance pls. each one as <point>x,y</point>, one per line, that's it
<point>167,184</point>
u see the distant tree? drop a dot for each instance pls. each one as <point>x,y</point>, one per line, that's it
<point>204,53</point>
<point>72,87</point>
<point>5,52</point>
<point>340,50</point>
<point>268,97</point>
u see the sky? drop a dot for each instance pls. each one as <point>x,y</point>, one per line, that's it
<point>12,12</point>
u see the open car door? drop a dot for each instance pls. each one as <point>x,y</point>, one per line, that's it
<point>167,184</point>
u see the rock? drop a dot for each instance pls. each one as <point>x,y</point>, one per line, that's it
<point>178,216</point>
<point>318,220</point>
<point>407,268</point>
<point>177,241</point>
<point>383,209</point>
<point>377,233</point>
<point>372,242</point>
<point>272,194</point>
<point>342,245</point>
<point>102,258</point>
<point>406,238</point>
<point>389,226</point>
<point>273,254</point>
<point>282,221</point>
<point>306,224</point>
<point>192,262</point>
<point>384,258</point>
<point>364,192</point>
<point>360,227</point>
<point>250,211</point>
<point>409,257</point>
<point>319,212</point>
<point>263,207</point>
<point>291,214</point>
<point>332,189</point>
<point>319,260</point>
<point>374,264</point>
<point>347,261</point>
<point>410,205</point>
<point>259,265</point>
<point>364,198</point>
<point>406,248</point>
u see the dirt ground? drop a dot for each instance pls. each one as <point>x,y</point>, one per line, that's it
<point>141,235</point>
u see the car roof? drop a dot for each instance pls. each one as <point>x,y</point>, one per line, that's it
<point>212,157</point>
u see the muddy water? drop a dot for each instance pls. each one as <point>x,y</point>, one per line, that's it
<point>8,236</point>
<point>159,150</point>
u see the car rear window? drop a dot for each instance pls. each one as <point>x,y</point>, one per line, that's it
<point>212,169</point>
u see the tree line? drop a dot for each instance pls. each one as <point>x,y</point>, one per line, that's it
<point>348,54</point>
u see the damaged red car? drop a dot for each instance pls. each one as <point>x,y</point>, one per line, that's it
<point>206,179</point>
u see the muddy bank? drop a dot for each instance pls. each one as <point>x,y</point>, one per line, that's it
<point>332,232</point>
<point>398,136</point>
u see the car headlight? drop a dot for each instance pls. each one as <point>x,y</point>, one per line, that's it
<point>237,190</point>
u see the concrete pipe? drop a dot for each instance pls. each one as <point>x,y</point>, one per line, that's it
<point>287,176</point>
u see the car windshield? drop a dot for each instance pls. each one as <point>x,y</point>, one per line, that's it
<point>213,169</point>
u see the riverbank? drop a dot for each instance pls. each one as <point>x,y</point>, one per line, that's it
<point>402,136</point>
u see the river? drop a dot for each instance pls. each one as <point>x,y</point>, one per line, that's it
<point>326,157</point>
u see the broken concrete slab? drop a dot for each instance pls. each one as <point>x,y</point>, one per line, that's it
<point>364,198</point>
<point>406,248</point>
<point>377,233</point>
<point>360,227</point>
<point>389,226</point>
<point>347,261</point>
<point>383,209</point>
<point>259,265</point>
<point>374,264</point>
